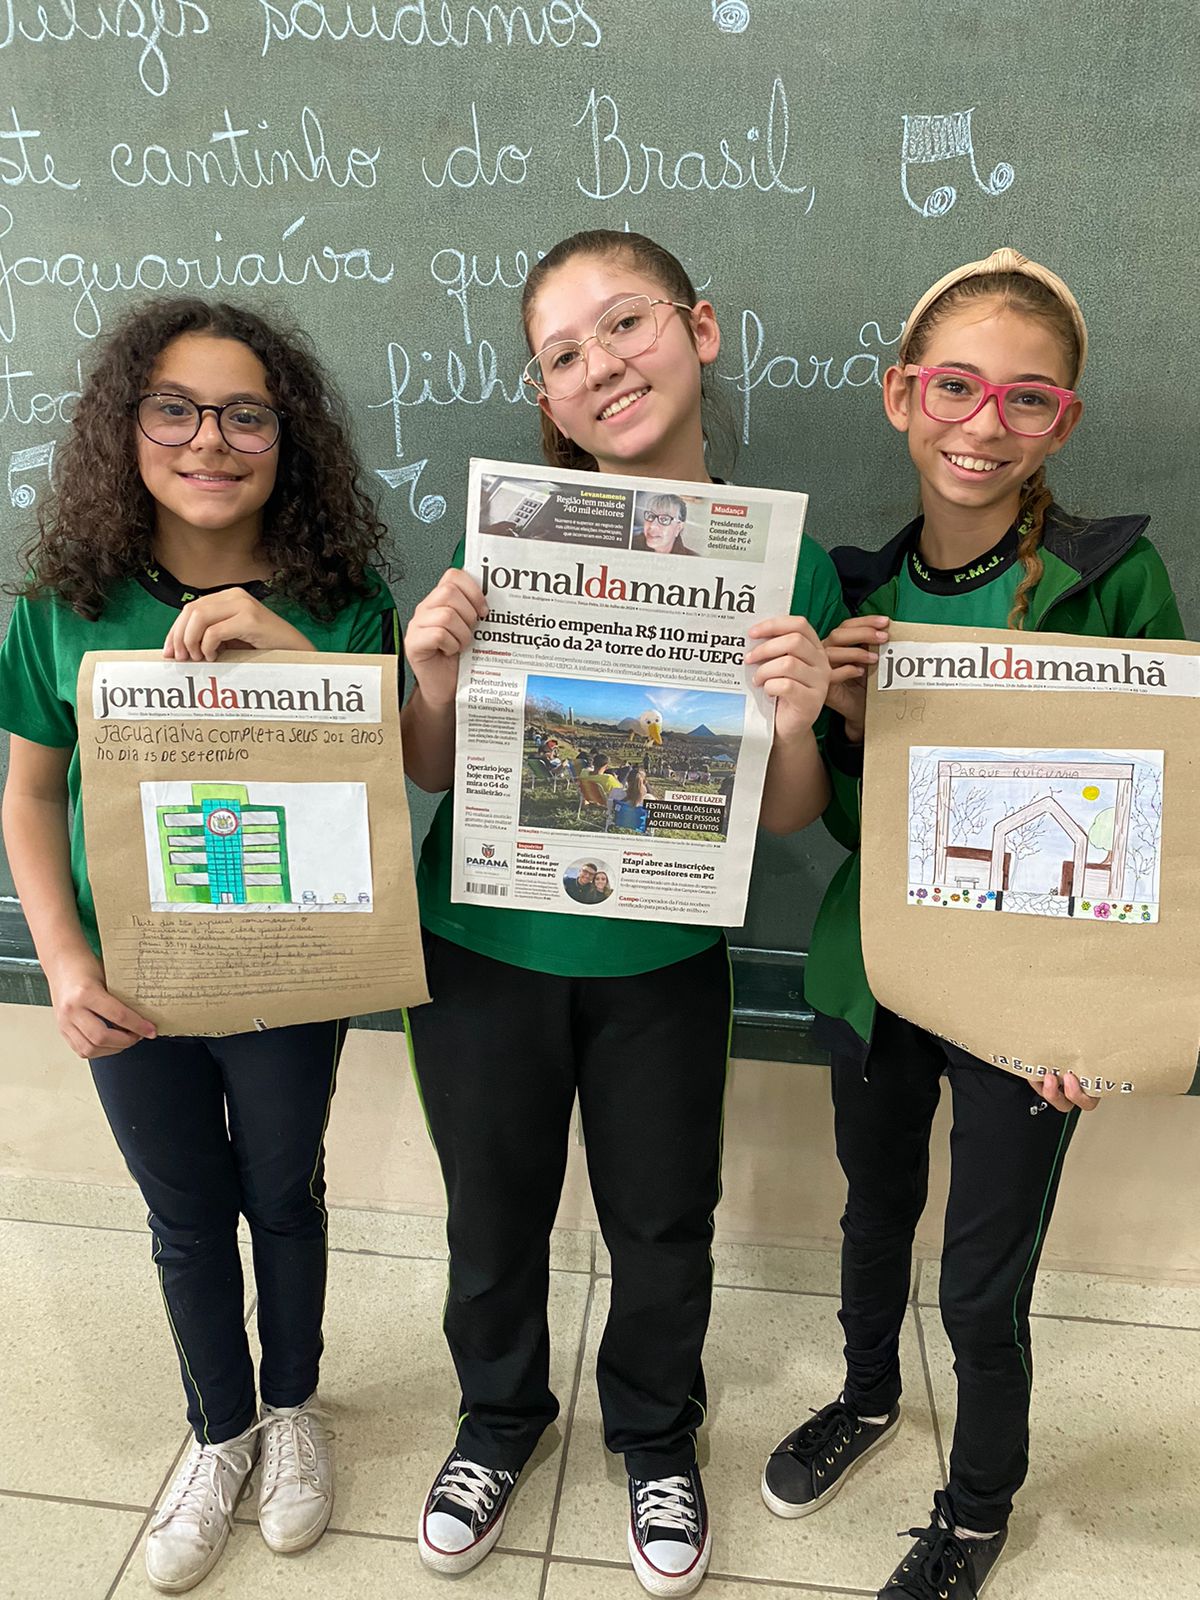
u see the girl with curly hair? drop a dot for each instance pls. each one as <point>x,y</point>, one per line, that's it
<point>207,497</point>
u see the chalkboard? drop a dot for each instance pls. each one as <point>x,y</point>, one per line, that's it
<point>386,172</point>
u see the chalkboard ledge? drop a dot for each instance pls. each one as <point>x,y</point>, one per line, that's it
<point>770,1019</point>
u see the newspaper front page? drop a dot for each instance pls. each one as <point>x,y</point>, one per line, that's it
<point>610,748</point>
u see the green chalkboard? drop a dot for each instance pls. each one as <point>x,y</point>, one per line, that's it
<point>386,172</point>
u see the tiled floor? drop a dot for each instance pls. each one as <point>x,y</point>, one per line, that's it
<point>90,1426</point>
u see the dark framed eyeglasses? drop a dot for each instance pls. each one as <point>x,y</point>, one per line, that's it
<point>663,518</point>
<point>248,426</point>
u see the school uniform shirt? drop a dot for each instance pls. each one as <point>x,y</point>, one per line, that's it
<point>46,640</point>
<point>1101,578</point>
<point>574,946</point>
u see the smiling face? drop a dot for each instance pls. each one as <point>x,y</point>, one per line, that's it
<point>978,465</point>
<point>641,415</point>
<point>206,484</point>
<point>601,881</point>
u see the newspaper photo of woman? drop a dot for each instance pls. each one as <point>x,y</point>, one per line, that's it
<point>663,518</point>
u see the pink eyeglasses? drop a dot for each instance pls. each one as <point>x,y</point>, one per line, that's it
<point>1029,409</point>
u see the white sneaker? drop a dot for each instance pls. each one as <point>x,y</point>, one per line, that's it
<point>295,1491</point>
<point>190,1531</point>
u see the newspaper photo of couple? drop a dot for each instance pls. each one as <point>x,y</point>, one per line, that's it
<point>629,758</point>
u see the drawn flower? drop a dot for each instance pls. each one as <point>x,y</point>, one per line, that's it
<point>1145,916</point>
<point>1086,905</point>
<point>1104,909</point>
<point>991,894</point>
<point>1127,908</point>
<point>921,893</point>
<point>955,897</point>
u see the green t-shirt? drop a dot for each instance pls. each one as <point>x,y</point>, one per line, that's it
<point>580,947</point>
<point>46,640</point>
<point>978,595</point>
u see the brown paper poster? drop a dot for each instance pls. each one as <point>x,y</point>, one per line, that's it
<point>248,837</point>
<point>1031,850</point>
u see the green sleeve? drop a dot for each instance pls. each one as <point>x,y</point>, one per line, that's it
<point>1137,597</point>
<point>375,629</point>
<point>31,705</point>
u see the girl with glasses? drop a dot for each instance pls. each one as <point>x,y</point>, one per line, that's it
<point>634,1016</point>
<point>206,496</point>
<point>984,389</point>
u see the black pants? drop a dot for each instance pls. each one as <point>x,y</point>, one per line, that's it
<point>499,1057</point>
<point>214,1128</point>
<point>1006,1150</point>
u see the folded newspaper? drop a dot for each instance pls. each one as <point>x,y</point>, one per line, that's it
<point>610,747</point>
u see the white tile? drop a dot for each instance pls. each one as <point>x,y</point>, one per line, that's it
<point>93,1405</point>
<point>396,1233</point>
<point>388,1379</point>
<point>88,1205</point>
<point>53,1550</point>
<point>342,1567</point>
<point>1084,1294</point>
<point>1109,1508</point>
<point>770,1358</point>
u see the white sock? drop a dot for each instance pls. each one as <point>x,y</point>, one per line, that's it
<point>969,1533</point>
<point>874,1421</point>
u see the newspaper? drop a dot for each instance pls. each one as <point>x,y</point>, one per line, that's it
<point>610,747</point>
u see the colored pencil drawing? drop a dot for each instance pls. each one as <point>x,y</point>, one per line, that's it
<point>257,847</point>
<point>1049,833</point>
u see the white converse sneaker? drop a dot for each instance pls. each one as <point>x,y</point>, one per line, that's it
<point>295,1491</point>
<point>190,1531</point>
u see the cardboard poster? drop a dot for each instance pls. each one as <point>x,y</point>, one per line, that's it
<point>248,837</point>
<point>1048,786</point>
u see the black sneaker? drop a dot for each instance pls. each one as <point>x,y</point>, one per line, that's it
<point>464,1514</point>
<point>809,1467</point>
<point>670,1540</point>
<point>940,1564</point>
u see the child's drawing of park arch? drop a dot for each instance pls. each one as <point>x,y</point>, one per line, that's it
<point>1050,833</point>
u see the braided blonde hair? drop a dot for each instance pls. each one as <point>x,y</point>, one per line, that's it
<point>1015,291</point>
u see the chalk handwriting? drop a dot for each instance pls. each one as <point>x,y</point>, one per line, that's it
<point>731,16</point>
<point>930,140</point>
<point>459,273</point>
<point>465,166</point>
<point>18,164</point>
<point>91,281</point>
<point>466,386</point>
<point>854,371</point>
<point>237,158</point>
<point>619,167</point>
<point>559,23</point>
<point>19,406</point>
<point>21,464</point>
<point>430,507</point>
<point>145,22</point>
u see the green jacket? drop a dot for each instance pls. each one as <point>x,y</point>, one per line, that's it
<point>1102,579</point>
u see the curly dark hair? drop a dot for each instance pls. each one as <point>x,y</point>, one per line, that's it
<point>321,531</point>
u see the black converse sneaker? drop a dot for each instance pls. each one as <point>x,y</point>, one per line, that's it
<point>943,1562</point>
<point>809,1467</point>
<point>464,1514</point>
<point>670,1540</point>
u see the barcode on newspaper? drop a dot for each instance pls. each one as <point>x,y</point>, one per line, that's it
<point>487,888</point>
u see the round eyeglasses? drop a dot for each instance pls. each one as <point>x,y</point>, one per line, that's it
<point>1029,409</point>
<point>625,330</point>
<point>663,518</point>
<point>248,426</point>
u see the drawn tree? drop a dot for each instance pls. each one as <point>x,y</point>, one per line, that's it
<point>922,818</point>
<point>968,813</point>
<point>1026,840</point>
<point>1146,827</point>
